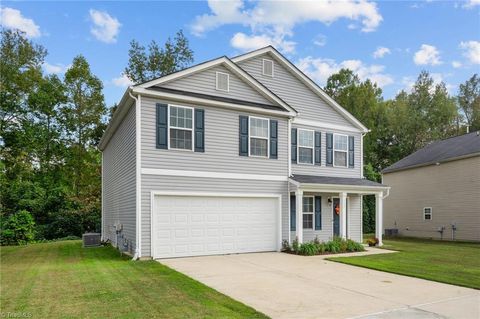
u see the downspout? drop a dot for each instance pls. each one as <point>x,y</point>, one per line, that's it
<point>289,147</point>
<point>102,232</point>
<point>138,174</point>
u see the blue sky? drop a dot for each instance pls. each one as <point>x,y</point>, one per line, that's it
<point>389,42</point>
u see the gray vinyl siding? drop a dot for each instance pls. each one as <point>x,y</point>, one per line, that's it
<point>205,82</point>
<point>354,219</point>
<point>221,145</point>
<point>193,184</point>
<point>323,170</point>
<point>119,182</point>
<point>284,84</point>
<point>452,189</point>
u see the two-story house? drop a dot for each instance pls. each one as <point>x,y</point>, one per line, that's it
<point>230,156</point>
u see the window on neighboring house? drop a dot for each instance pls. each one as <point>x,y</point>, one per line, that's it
<point>222,81</point>
<point>340,150</point>
<point>308,210</point>
<point>427,213</point>
<point>305,146</point>
<point>181,127</point>
<point>258,136</point>
<point>267,68</point>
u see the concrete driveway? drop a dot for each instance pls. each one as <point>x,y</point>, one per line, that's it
<point>289,286</point>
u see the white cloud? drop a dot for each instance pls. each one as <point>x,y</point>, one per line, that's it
<point>471,4</point>
<point>320,40</point>
<point>320,69</point>
<point>277,19</point>
<point>427,55</point>
<point>380,52</point>
<point>472,51</point>
<point>122,81</point>
<point>456,64</point>
<point>105,28</point>
<point>245,42</point>
<point>55,68</point>
<point>13,19</point>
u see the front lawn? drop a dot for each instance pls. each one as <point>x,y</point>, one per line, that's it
<point>64,280</point>
<point>455,263</point>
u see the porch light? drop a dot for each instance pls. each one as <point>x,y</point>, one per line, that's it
<point>329,199</point>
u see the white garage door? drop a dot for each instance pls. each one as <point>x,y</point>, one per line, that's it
<point>204,225</point>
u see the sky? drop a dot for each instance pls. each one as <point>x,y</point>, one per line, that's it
<point>389,42</point>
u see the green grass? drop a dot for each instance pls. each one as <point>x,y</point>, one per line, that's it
<point>64,280</point>
<point>456,263</point>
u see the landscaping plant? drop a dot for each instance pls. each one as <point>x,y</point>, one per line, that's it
<point>315,247</point>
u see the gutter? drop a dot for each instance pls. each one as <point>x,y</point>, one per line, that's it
<point>138,173</point>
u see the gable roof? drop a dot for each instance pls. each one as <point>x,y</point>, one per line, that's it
<point>304,79</point>
<point>235,69</point>
<point>452,148</point>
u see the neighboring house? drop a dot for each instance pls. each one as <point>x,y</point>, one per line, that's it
<point>435,192</point>
<point>230,156</point>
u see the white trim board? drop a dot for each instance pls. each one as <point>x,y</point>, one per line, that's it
<point>205,174</point>
<point>324,125</point>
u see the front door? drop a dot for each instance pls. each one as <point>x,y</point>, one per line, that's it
<point>336,216</point>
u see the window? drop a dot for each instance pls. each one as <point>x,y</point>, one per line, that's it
<point>259,132</point>
<point>308,210</point>
<point>222,81</point>
<point>267,67</point>
<point>340,150</point>
<point>181,127</point>
<point>305,146</point>
<point>427,213</point>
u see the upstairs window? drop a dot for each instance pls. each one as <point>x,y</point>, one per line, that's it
<point>259,132</point>
<point>267,67</point>
<point>305,146</point>
<point>181,127</point>
<point>427,213</point>
<point>340,150</point>
<point>222,81</point>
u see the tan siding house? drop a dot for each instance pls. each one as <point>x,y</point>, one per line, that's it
<point>435,192</point>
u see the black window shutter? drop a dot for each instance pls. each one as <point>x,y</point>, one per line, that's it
<point>293,213</point>
<point>294,145</point>
<point>318,212</point>
<point>199,130</point>
<point>351,151</point>
<point>329,149</point>
<point>318,148</point>
<point>243,139</point>
<point>162,126</point>
<point>273,139</point>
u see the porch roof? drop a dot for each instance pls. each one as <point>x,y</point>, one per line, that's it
<point>329,183</point>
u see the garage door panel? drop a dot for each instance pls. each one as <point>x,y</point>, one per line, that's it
<point>198,225</point>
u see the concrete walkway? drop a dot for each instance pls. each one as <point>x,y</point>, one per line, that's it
<point>289,286</point>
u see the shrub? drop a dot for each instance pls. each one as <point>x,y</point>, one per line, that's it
<point>308,249</point>
<point>354,246</point>
<point>17,229</point>
<point>286,246</point>
<point>295,246</point>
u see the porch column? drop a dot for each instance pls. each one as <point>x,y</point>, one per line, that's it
<point>343,215</point>
<point>379,217</point>
<point>299,210</point>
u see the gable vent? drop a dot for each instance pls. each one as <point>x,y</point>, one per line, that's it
<point>223,81</point>
<point>268,67</point>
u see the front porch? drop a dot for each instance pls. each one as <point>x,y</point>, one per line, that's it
<point>323,207</point>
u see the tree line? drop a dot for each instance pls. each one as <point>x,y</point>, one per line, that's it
<point>50,127</point>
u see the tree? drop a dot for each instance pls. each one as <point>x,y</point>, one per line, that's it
<point>82,122</point>
<point>469,102</point>
<point>144,66</point>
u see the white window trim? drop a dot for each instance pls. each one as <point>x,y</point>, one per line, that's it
<point>431,213</point>
<point>181,128</point>
<point>335,150</point>
<point>250,136</point>
<point>216,81</point>
<point>263,68</point>
<point>308,213</point>
<point>312,147</point>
